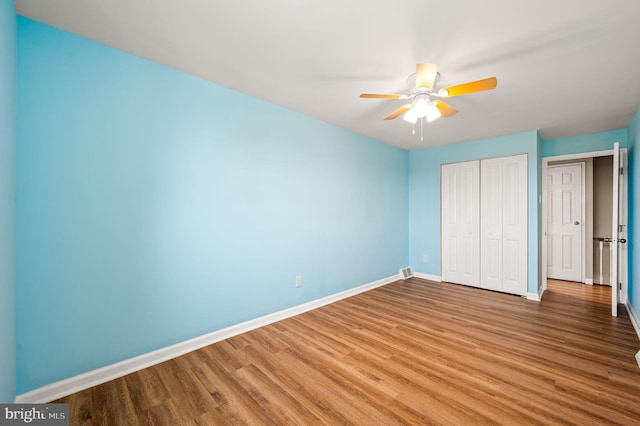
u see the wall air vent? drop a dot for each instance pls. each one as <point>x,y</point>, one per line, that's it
<point>406,273</point>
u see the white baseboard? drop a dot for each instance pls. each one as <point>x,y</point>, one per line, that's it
<point>634,317</point>
<point>429,277</point>
<point>588,281</point>
<point>96,377</point>
<point>536,297</point>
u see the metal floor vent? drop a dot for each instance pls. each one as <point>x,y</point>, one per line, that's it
<point>406,273</point>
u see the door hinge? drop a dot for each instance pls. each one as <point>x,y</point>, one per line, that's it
<point>619,286</point>
<point>621,170</point>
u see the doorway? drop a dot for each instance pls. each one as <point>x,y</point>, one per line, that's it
<point>598,194</point>
<point>602,219</point>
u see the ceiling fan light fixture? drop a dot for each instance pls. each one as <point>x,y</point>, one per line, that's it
<point>433,113</point>
<point>411,116</point>
<point>421,106</point>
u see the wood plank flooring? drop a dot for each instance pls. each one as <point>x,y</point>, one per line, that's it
<point>412,352</point>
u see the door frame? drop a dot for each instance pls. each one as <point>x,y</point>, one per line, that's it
<point>623,271</point>
<point>583,215</point>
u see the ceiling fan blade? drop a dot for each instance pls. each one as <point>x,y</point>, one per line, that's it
<point>445,109</point>
<point>398,112</point>
<point>471,87</point>
<point>382,96</point>
<point>426,76</point>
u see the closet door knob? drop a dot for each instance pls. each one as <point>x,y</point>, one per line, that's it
<point>576,223</point>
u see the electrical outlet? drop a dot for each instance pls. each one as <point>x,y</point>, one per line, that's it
<point>425,259</point>
<point>299,281</point>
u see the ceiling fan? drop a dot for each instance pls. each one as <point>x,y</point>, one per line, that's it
<point>422,104</point>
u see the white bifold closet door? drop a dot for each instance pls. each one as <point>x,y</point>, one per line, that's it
<point>484,223</point>
<point>460,223</point>
<point>503,224</point>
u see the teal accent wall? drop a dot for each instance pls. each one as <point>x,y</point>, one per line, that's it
<point>634,212</point>
<point>7,227</point>
<point>591,142</point>
<point>424,195</point>
<point>154,207</point>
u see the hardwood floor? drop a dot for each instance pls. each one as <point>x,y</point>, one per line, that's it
<point>411,352</point>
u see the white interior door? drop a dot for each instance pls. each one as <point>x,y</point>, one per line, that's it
<point>514,225</point>
<point>503,227</point>
<point>491,216</point>
<point>460,223</point>
<point>615,231</point>
<point>564,222</point>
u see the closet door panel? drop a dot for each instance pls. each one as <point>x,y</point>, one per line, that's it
<point>449,236</point>
<point>503,229</point>
<point>514,226</point>
<point>491,224</point>
<point>449,239</point>
<point>460,223</point>
<point>484,223</point>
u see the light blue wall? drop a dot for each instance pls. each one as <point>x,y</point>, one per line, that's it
<point>424,195</point>
<point>591,142</point>
<point>153,207</point>
<point>634,212</point>
<point>7,241</point>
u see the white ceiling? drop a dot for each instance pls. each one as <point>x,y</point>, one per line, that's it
<point>564,67</point>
